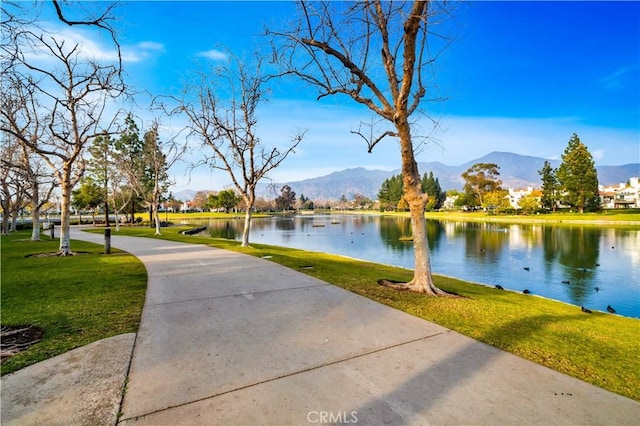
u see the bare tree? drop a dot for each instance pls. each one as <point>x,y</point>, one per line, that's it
<point>228,127</point>
<point>12,190</point>
<point>20,112</point>
<point>377,53</point>
<point>24,183</point>
<point>72,92</point>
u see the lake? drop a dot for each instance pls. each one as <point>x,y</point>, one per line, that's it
<point>581,265</point>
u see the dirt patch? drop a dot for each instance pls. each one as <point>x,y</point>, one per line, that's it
<point>17,338</point>
<point>56,254</point>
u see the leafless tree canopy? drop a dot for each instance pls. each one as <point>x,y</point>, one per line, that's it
<point>49,82</point>
<point>362,50</point>
<point>222,116</point>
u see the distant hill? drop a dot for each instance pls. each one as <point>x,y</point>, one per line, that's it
<point>517,171</point>
<point>185,195</point>
<point>346,182</point>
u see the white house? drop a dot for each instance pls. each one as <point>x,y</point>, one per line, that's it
<point>515,195</point>
<point>622,195</point>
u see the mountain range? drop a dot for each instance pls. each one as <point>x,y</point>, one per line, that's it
<point>516,171</point>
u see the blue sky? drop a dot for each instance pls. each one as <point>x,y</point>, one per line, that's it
<point>520,77</point>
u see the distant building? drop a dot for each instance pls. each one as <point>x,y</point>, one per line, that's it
<point>515,195</point>
<point>621,196</point>
<point>450,202</point>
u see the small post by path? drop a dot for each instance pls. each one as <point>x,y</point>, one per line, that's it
<point>107,241</point>
<point>52,228</point>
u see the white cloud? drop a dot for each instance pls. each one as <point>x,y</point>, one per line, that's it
<point>213,54</point>
<point>150,45</point>
<point>615,80</point>
<point>141,51</point>
<point>91,45</point>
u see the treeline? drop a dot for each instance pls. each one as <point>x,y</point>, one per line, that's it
<point>574,184</point>
<point>287,200</point>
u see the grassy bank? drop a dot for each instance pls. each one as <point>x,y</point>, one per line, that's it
<point>608,217</point>
<point>75,300</point>
<point>598,348</point>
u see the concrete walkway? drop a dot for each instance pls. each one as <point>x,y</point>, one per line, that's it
<point>231,339</point>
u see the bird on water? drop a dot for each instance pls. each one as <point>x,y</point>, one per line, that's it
<point>526,291</point>
<point>610,309</point>
<point>585,310</point>
<point>499,287</point>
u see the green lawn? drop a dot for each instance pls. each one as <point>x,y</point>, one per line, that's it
<point>598,348</point>
<point>623,216</point>
<point>76,300</point>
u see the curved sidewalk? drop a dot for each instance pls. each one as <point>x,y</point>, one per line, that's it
<point>231,339</point>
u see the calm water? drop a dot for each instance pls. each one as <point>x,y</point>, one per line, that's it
<point>602,266</point>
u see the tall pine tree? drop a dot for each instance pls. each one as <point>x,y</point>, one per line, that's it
<point>101,166</point>
<point>578,177</point>
<point>390,192</point>
<point>431,187</point>
<point>549,199</point>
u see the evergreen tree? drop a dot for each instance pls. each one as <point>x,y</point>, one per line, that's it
<point>158,157</point>
<point>101,167</point>
<point>578,177</point>
<point>390,192</point>
<point>129,159</point>
<point>550,187</point>
<point>431,187</point>
<point>90,195</point>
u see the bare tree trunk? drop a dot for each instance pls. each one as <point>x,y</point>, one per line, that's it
<point>14,220</point>
<point>247,227</point>
<point>5,221</point>
<point>422,281</point>
<point>65,219</point>
<point>117,221</point>
<point>156,218</point>
<point>106,214</point>
<point>35,214</point>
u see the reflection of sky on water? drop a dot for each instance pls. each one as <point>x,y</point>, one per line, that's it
<point>490,253</point>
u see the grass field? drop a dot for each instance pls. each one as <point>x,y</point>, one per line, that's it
<point>598,348</point>
<point>75,300</point>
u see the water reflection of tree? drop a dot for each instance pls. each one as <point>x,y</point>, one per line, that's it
<point>393,229</point>
<point>224,229</point>
<point>578,251</point>
<point>485,241</point>
<point>286,224</point>
<point>435,232</point>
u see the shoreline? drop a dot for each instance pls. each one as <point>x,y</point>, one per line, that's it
<point>551,219</point>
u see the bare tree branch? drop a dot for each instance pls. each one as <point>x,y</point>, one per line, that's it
<point>222,117</point>
<point>376,53</point>
<point>67,99</point>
